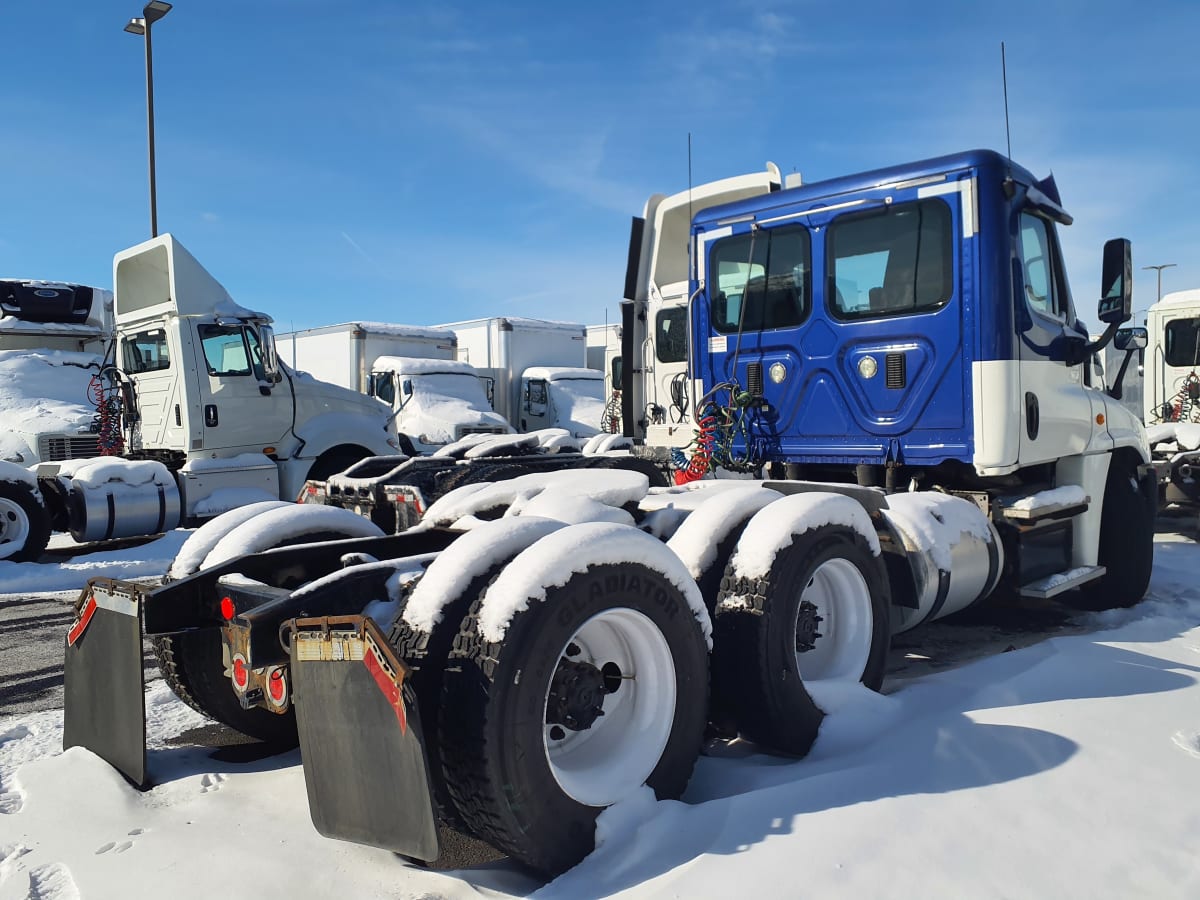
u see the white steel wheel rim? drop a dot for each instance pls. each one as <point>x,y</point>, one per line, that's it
<point>14,527</point>
<point>843,601</point>
<point>602,764</point>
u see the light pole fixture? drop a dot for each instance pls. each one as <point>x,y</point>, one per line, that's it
<point>151,13</point>
<point>1159,269</point>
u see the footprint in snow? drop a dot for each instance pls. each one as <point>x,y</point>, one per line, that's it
<point>52,881</point>
<point>119,846</point>
<point>211,782</point>
<point>9,856</point>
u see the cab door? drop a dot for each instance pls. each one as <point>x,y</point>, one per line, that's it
<point>240,410</point>
<point>1057,409</point>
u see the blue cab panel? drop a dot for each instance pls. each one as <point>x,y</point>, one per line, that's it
<point>848,314</point>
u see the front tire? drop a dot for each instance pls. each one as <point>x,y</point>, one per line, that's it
<point>591,692</point>
<point>1126,547</point>
<point>24,523</point>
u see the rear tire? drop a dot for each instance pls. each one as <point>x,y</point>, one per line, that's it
<point>1126,547</point>
<point>533,788</point>
<point>24,523</point>
<point>820,613</point>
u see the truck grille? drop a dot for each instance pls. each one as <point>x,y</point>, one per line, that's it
<point>481,429</point>
<point>57,447</point>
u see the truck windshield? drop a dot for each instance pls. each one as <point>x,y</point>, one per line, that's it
<point>760,280</point>
<point>891,262</point>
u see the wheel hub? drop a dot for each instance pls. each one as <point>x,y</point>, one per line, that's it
<point>576,697</point>
<point>807,621</point>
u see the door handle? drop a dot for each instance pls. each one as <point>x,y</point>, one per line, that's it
<point>210,415</point>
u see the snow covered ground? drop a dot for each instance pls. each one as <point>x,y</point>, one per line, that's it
<point>1069,768</point>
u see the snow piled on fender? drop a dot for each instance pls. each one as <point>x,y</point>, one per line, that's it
<point>203,539</point>
<point>468,558</point>
<point>275,526</point>
<point>777,525</point>
<point>609,487</point>
<point>695,541</point>
<point>555,558</point>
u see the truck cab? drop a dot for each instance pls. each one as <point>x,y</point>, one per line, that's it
<point>915,316</point>
<point>434,401</point>
<point>203,382</point>
<point>562,397</point>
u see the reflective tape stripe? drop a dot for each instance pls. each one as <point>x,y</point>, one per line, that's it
<point>81,624</point>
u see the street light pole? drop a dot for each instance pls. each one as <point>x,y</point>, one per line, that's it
<point>151,13</point>
<point>1159,269</point>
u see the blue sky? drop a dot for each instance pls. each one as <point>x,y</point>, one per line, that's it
<point>424,163</point>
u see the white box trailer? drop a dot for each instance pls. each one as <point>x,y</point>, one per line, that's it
<point>503,347</point>
<point>343,354</point>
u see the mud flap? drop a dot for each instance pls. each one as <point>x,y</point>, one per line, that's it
<point>105,702</point>
<point>360,737</point>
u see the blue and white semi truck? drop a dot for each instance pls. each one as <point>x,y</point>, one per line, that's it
<point>891,361</point>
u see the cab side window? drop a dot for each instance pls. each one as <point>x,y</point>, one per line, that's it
<point>146,351</point>
<point>225,350</point>
<point>1045,286</point>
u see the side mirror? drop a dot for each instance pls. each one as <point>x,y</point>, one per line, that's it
<point>270,360</point>
<point>1131,339</point>
<point>1116,283</point>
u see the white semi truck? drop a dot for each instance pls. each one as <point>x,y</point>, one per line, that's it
<point>1171,394</point>
<point>912,440</point>
<point>209,418</point>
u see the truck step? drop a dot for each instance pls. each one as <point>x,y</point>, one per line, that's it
<point>1059,582</point>
<point>1058,503</point>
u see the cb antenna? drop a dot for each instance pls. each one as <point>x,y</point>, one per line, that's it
<point>689,221</point>
<point>1007,130</point>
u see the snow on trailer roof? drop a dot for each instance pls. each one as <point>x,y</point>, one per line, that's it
<point>563,373</point>
<point>416,365</point>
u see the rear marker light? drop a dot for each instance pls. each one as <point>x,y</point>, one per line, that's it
<point>227,609</point>
<point>276,687</point>
<point>240,676</point>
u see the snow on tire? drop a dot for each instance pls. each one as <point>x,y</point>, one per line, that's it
<point>24,522</point>
<point>804,601</point>
<point>580,675</point>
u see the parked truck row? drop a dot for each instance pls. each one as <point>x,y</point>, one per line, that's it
<point>891,361</point>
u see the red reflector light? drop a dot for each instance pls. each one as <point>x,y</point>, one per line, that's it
<point>240,676</point>
<point>227,609</point>
<point>275,686</point>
